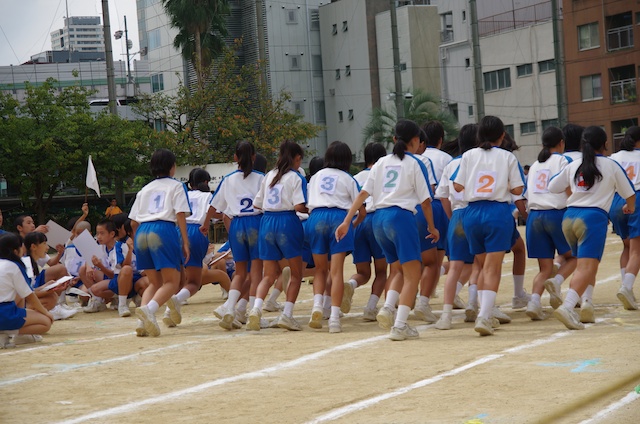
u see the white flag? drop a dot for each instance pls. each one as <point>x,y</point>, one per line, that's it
<point>92,179</point>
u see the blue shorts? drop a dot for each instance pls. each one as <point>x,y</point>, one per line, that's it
<point>488,226</point>
<point>281,236</point>
<point>441,221</point>
<point>457,242</point>
<point>321,226</point>
<point>157,246</point>
<point>544,234</point>
<point>395,232</point>
<point>198,245</point>
<point>516,234</point>
<point>365,245</point>
<point>423,231</point>
<point>243,237</point>
<point>586,231</point>
<point>11,317</point>
<point>113,285</point>
<point>619,220</point>
<point>307,256</point>
<point>40,280</point>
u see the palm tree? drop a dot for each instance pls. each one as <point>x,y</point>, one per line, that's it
<point>422,107</point>
<point>201,28</point>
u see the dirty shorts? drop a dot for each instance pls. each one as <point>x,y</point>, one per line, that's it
<point>396,232</point>
<point>281,236</point>
<point>157,246</point>
<point>586,231</point>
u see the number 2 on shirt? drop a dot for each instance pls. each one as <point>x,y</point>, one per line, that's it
<point>274,197</point>
<point>541,181</point>
<point>390,180</point>
<point>156,205</point>
<point>246,203</point>
<point>485,183</point>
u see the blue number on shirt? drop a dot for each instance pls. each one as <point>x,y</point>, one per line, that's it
<point>274,196</point>
<point>248,205</point>
<point>157,201</point>
<point>328,183</point>
<point>391,177</point>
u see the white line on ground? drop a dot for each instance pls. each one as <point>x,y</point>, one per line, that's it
<point>630,397</point>
<point>68,343</point>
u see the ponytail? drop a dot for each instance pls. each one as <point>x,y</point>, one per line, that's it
<point>199,180</point>
<point>631,137</point>
<point>551,137</point>
<point>490,130</point>
<point>288,152</point>
<point>593,141</point>
<point>245,152</point>
<point>405,131</point>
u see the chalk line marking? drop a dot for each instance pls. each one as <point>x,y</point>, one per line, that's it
<point>630,397</point>
<point>67,343</point>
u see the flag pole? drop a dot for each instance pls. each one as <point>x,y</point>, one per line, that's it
<point>86,193</point>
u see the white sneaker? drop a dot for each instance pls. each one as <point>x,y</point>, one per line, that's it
<point>140,331</point>
<point>166,318</point>
<point>173,305</point>
<point>124,311</point>
<point>316,317</point>
<point>587,312</point>
<point>500,316</point>
<point>137,300</point>
<point>238,325</point>
<point>6,339</point>
<point>95,305</point>
<point>403,333</point>
<point>274,322</point>
<point>471,312</point>
<point>20,339</point>
<point>59,312</point>
<point>628,300</point>
<point>483,327</point>
<point>227,320</point>
<point>458,303</point>
<point>149,321</point>
<point>224,294</point>
<point>534,311</point>
<point>569,318</point>
<point>335,326</point>
<point>288,323</point>
<point>347,297</point>
<point>241,316</point>
<point>495,323</point>
<point>113,305</point>
<point>264,323</point>
<point>219,311</point>
<point>424,313</point>
<point>555,295</point>
<point>519,302</point>
<point>253,324</point>
<point>272,306</point>
<point>369,314</point>
<point>444,323</point>
<point>386,318</point>
<point>286,276</point>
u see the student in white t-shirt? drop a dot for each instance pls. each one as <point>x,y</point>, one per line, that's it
<point>593,182</point>
<point>572,136</point>
<point>158,207</point>
<point>397,183</point>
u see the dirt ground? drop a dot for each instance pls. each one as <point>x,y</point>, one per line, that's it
<point>92,368</point>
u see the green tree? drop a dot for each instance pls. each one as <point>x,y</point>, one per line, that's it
<point>421,108</point>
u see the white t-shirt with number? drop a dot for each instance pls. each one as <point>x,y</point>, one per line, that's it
<point>160,200</point>
<point>630,162</point>
<point>445,188</point>
<point>601,194</point>
<point>439,160</point>
<point>428,164</point>
<point>290,191</point>
<point>488,174</point>
<point>12,283</point>
<point>332,188</point>
<point>394,182</point>
<point>361,178</point>
<point>236,194</point>
<point>199,203</point>
<point>538,195</point>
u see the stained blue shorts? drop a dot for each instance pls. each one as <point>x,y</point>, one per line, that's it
<point>457,242</point>
<point>11,317</point>
<point>281,236</point>
<point>488,226</point>
<point>307,256</point>
<point>158,246</point>
<point>198,245</point>
<point>544,234</point>
<point>619,220</point>
<point>321,227</point>
<point>243,237</point>
<point>423,231</point>
<point>586,231</point>
<point>365,245</point>
<point>395,232</point>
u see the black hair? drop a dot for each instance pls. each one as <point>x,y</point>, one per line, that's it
<point>631,137</point>
<point>34,237</point>
<point>338,156</point>
<point>108,225</point>
<point>161,162</point>
<point>19,220</point>
<point>245,152</point>
<point>423,136</point>
<point>288,151</point>
<point>572,135</point>
<point>434,131</point>
<point>373,152</point>
<point>315,164</point>
<point>72,222</point>
<point>551,137</point>
<point>119,219</point>
<point>9,243</point>
<point>197,176</point>
<point>405,131</point>
<point>593,140</point>
<point>260,163</point>
<point>490,130</point>
<point>508,143</point>
<point>467,137</point>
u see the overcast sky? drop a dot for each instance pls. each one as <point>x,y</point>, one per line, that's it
<point>25,25</point>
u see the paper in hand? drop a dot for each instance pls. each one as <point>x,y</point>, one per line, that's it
<point>58,282</point>
<point>57,234</point>
<point>88,247</point>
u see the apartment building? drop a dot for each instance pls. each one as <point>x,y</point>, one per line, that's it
<point>80,33</point>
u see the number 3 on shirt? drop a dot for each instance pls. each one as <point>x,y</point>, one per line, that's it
<point>485,183</point>
<point>541,181</point>
<point>274,198</point>
<point>156,205</point>
<point>390,180</point>
<point>328,185</point>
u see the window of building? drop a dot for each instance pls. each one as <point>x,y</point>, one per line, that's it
<point>497,80</point>
<point>591,87</point>
<point>337,74</point>
<point>509,130</point>
<point>159,125</point>
<point>524,70</point>
<point>334,30</point>
<point>340,118</point>
<point>546,66</point>
<point>527,128</point>
<point>446,34</point>
<point>588,36</point>
<point>316,65</point>
<point>470,110</point>
<point>347,71</point>
<point>157,83</point>
<point>403,66</point>
<point>345,26</point>
<point>294,62</point>
<point>154,39</point>
<point>464,16</point>
<point>546,123</point>
<point>321,117</point>
<point>314,20</point>
<point>467,62</point>
<point>291,16</point>
<point>637,18</point>
<point>298,108</point>
<point>350,116</point>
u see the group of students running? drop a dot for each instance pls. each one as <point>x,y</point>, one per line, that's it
<point>406,211</point>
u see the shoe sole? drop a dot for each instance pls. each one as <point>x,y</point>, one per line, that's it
<point>226,325</point>
<point>217,314</point>
<point>470,315</point>
<point>384,321</point>
<point>369,318</point>
<point>424,317</point>
<point>587,316</point>
<point>554,298</point>
<point>535,316</point>
<point>141,332</point>
<point>483,331</point>
<point>347,297</point>
<point>337,329</point>
<point>567,323</point>
<point>125,314</point>
<point>316,320</point>
<point>168,322</point>
<point>175,315</point>
<point>443,326</point>
<point>152,329</point>
<point>626,303</point>
<point>253,324</point>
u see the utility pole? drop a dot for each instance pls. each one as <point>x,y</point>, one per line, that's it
<point>561,92</point>
<point>111,81</point>
<point>126,40</point>
<point>262,53</point>
<point>477,60</point>
<point>396,61</point>
<point>66,2</point>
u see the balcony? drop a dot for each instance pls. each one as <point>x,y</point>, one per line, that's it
<point>623,90</point>
<point>446,36</point>
<point>620,38</point>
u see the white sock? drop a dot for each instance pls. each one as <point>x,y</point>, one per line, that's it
<point>318,300</point>
<point>122,300</point>
<point>559,279</point>
<point>402,316</point>
<point>571,299</point>
<point>234,295</point>
<point>473,294</point>
<point>459,286</point>
<point>242,305</point>
<point>252,302</point>
<point>392,299</point>
<point>152,306</point>
<point>535,298</point>
<point>288,309</point>
<point>335,313</point>
<point>628,280</point>
<point>557,264</point>
<point>373,301</point>
<point>183,295</point>
<point>258,303</point>
<point>446,309</point>
<point>518,286</point>
<point>487,302</point>
<point>423,300</point>
<point>353,282</point>
<point>443,270</point>
<point>588,294</point>
<point>326,300</point>
<point>274,295</point>
<point>623,271</point>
